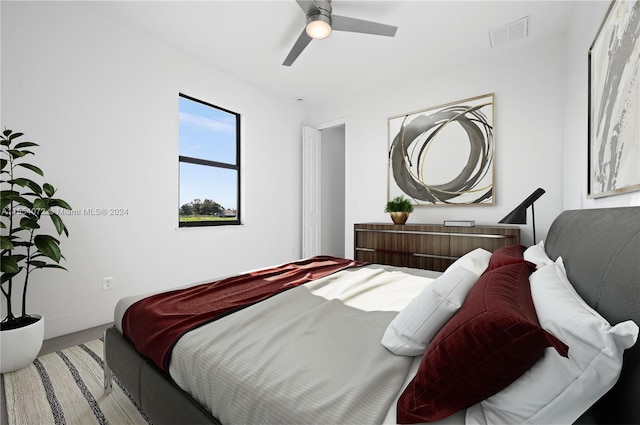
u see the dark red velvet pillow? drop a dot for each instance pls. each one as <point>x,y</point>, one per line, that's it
<point>492,340</point>
<point>506,255</point>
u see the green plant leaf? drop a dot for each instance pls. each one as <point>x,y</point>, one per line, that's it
<point>7,132</point>
<point>15,197</point>
<point>42,204</point>
<point>5,242</point>
<point>59,203</point>
<point>29,223</point>
<point>15,153</point>
<point>57,221</point>
<point>4,202</point>
<point>15,135</point>
<point>48,189</point>
<point>3,163</point>
<point>25,145</point>
<point>9,265</point>
<point>21,181</point>
<point>55,266</point>
<point>48,246</point>
<point>44,265</point>
<point>32,168</point>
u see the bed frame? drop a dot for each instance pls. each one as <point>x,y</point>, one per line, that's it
<point>601,249</point>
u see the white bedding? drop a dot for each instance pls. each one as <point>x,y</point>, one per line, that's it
<point>369,288</point>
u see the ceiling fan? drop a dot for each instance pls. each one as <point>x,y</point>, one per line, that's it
<point>320,23</point>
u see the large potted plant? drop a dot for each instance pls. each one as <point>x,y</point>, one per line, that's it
<point>26,246</point>
<point>399,209</point>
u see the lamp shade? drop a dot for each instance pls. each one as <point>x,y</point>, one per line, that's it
<point>318,26</point>
<point>519,214</point>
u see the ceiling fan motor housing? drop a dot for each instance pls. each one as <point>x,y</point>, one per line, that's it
<point>319,21</point>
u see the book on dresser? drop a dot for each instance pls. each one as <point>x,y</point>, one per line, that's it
<point>460,223</point>
<point>426,246</point>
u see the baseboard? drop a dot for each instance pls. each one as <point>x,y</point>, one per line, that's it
<point>78,322</point>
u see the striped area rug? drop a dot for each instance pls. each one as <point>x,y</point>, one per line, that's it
<point>66,387</point>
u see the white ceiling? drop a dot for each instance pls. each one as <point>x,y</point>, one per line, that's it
<point>250,39</point>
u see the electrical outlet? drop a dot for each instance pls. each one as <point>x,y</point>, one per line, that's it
<point>107,283</point>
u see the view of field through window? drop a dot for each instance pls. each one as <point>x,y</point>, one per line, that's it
<point>209,169</point>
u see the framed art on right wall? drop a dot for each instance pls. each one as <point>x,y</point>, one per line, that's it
<point>614,102</point>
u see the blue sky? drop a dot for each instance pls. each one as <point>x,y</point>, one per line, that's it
<point>207,133</point>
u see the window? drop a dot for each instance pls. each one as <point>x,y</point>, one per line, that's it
<point>209,158</point>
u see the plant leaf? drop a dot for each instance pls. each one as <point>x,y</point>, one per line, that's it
<point>42,204</point>
<point>29,223</point>
<point>15,197</point>
<point>15,135</point>
<point>37,263</point>
<point>44,265</point>
<point>57,221</point>
<point>48,189</point>
<point>55,266</point>
<point>48,245</point>
<point>25,145</point>
<point>15,153</point>
<point>21,181</point>
<point>32,168</point>
<point>4,202</point>
<point>60,203</point>
<point>9,265</point>
<point>5,242</point>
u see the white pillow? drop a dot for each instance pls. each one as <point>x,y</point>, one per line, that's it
<point>476,261</point>
<point>557,389</point>
<point>537,255</point>
<point>414,327</point>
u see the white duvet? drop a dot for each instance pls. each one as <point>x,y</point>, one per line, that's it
<point>213,367</point>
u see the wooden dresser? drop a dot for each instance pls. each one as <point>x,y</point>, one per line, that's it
<point>426,246</point>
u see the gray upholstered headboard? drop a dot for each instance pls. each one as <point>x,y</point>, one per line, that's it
<point>601,252</point>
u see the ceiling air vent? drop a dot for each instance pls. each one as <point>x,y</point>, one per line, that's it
<point>509,32</point>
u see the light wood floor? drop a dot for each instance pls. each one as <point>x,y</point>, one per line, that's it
<point>53,345</point>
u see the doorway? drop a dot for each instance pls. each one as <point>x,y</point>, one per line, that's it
<point>324,180</point>
<point>332,195</point>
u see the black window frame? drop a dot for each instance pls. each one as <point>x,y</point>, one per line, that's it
<point>215,164</point>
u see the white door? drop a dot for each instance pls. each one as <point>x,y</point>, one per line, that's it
<point>311,192</point>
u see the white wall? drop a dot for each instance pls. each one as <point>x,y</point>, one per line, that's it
<point>586,19</point>
<point>528,84</point>
<point>102,100</point>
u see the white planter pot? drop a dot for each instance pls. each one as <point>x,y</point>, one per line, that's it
<point>20,347</point>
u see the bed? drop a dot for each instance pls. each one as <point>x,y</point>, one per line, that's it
<point>596,250</point>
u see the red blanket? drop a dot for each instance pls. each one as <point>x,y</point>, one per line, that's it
<point>154,324</point>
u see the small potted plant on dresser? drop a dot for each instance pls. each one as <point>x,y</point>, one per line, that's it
<point>399,209</point>
<point>26,246</point>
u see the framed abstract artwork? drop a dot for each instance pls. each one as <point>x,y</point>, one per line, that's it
<point>614,103</point>
<point>444,155</point>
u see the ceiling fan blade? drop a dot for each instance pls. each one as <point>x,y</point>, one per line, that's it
<point>342,23</point>
<point>307,6</point>
<point>297,48</point>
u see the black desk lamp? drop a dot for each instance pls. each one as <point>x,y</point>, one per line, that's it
<point>519,214</point>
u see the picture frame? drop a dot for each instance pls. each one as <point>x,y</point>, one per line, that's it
<point>444,155</point>
<point>614,103</point>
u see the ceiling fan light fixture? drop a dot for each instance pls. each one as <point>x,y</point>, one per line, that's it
<point>318,26</point>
